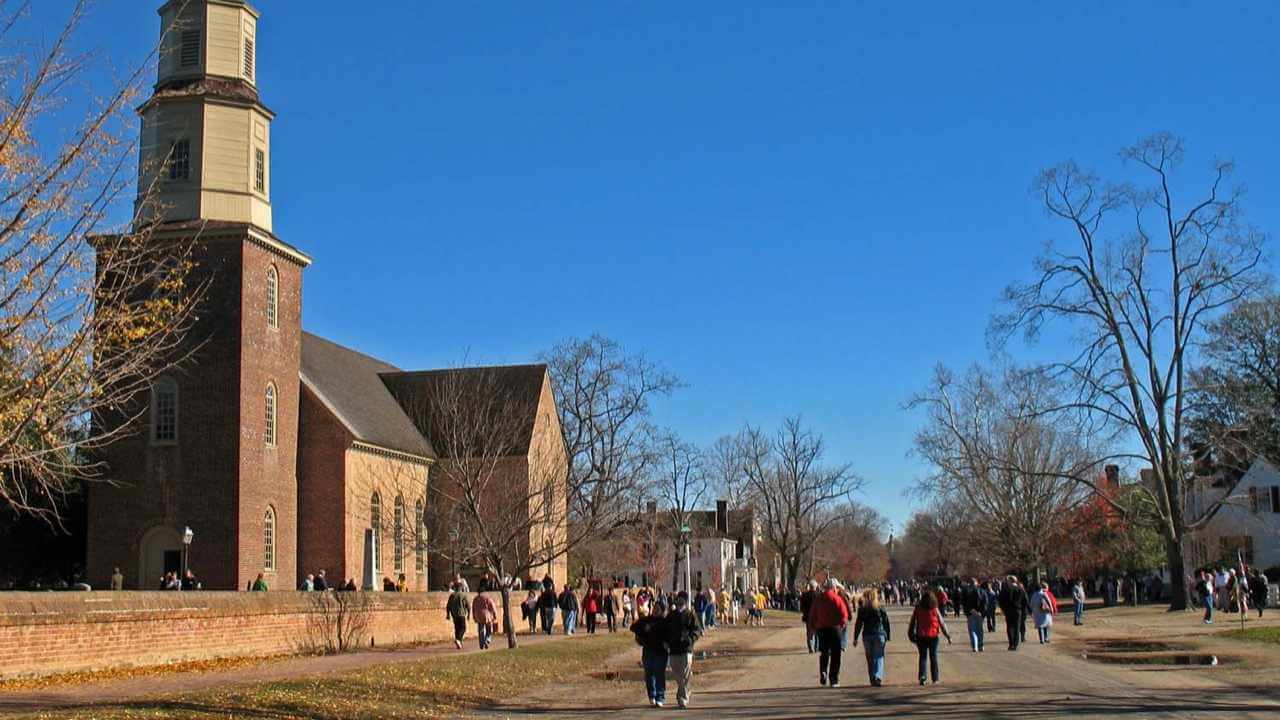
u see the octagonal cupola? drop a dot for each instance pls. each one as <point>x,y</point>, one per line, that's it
<point>213,38</point>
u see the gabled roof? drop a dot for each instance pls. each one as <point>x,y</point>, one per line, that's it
<point>348,383</point>
<point>510,389</point>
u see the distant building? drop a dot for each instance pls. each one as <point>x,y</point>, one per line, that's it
<point>723,548</point>
<point>1248,522</point>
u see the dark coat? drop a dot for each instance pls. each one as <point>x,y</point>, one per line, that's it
<point>680,630</point>
<point>871,621</point>
<point>1013,602</point>
<point>648,632</point>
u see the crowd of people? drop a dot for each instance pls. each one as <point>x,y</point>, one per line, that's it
<point>1225,590</point>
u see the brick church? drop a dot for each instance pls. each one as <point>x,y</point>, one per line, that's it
<point>284,453</point>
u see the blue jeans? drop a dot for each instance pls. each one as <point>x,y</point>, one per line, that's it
<point>655,674</point>
<point>977,628</point>
<point>1079,608</point>
<point>1208,608</point>
<point>570,621</point>
<point>928,649</point>
<point>484,632</point>
<point>548,620</point>
<point>874,646</point>
<point>1044,633</point>
<point>709,616</point>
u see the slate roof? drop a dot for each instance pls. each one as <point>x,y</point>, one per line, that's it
<point>510,389</point>
<point>348,382</point>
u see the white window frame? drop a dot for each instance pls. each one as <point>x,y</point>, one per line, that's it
<point>269,540</point>
<point>397,534</point>
<point>419,540</point>
<point>272,414</point>
<point>375,531</point>
<point>273,298</point>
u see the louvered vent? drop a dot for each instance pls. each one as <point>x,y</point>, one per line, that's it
<point>248,59</point>
<point>189,54</point>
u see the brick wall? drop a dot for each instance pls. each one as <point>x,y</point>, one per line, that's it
<point>50,633</point>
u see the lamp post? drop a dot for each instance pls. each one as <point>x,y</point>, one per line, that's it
<point>187,536</point>
<point>684,538</point>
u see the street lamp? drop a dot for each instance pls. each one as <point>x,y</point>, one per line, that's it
<point>187,536</point>
<point>684,538</point>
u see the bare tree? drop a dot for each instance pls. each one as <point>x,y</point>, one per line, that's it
<point>1138,297</point>
<point>496,496</point>
<point>726,475</point>
<point>798,497</point>
<point>603,396</point>
<point>1003,462</point>
<point>92,308</point>
<point>337,621</point>
<point>681,489</point>
<point>853,547</point>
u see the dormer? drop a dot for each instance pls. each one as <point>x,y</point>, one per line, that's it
<point>207,38</point>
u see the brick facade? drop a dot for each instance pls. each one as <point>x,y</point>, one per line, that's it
<point>50,633</point>
<point>219,477</point>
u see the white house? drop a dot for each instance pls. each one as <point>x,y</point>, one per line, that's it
<point>1248,522</point>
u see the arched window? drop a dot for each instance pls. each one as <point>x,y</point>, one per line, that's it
<point>270,433</point>
<point>397,530</point>
<point>164,411</point>
<point>419,538</point>
<point>375,524</point>
<point>273,298</point>
<point>269,540</point>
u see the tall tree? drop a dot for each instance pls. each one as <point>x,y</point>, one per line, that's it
<point>853,548</point>
<point>92,308</point>
<point>1002,461</point>
<point>1137,281</point>
<point>798,496</point>
<point>681,489</point>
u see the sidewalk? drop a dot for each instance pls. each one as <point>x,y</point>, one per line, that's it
<point>294,668</point>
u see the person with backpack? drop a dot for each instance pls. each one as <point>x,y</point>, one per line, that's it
<point>827,616</point>
<point>873,626</point>
<point>458,610</point>
<point>681,630</point>
<point>926,625</point>
<point>1043,607</point>
<point>486,617</point>
<point>653,656</point>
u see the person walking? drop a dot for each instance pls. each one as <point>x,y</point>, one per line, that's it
<point>872,625</point>
<point>1013,602</point>
<point>990,604</point>
<point>590,607</point>
<point>485,616</point>
<point>926,625</point>
<point>1259,590</point>
<point>806,602</point>
<point>117,580</point>
<point>1043,608</point>
<point>609,606</point>
<point>653,656</point>
<point>457,609</point>
<point>569,609</point>
<point>827,616</point>
<point>1077,603</point>
<point>628,608</point>
<point>529,608</point>
<point>547,603</point>
<point>681,630</point>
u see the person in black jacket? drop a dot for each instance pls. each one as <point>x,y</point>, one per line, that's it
<point>872,625</point>
<point>806,602</point>
<point>547,603</point>
<point>649,634</point>
<point>681,629</point>
<point>1014,604</point>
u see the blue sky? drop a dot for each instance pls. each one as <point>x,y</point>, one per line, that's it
<point>798,207</point>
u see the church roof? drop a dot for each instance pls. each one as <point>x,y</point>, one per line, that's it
<point>508,389</point>
<point>348,383</point>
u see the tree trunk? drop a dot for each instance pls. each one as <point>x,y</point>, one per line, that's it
<point>793,570</point>
<point>508,627</point>
<point>1177,575</point>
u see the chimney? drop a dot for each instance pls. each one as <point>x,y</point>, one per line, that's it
<point>1113,476</point>
<point>652,507</point>
<point>722,517</point>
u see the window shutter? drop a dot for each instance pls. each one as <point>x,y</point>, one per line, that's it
<point>248,59</point>
<point>189,54</point>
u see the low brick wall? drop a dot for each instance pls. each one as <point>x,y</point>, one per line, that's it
<point>49,633</point>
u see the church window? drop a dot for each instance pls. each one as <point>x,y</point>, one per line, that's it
<point>273,298</point>
<point>269,540</point>
<point>248,59</point>
<point>419,538</point>
<point>375,526</point>
<point>180,160</point>
<point>270,433</point>
<point>259,170</point>
<point>398,533</point>
<point>164,411</point>
<point>189,53</point>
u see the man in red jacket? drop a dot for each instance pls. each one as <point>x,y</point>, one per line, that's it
<point>827,617</point>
